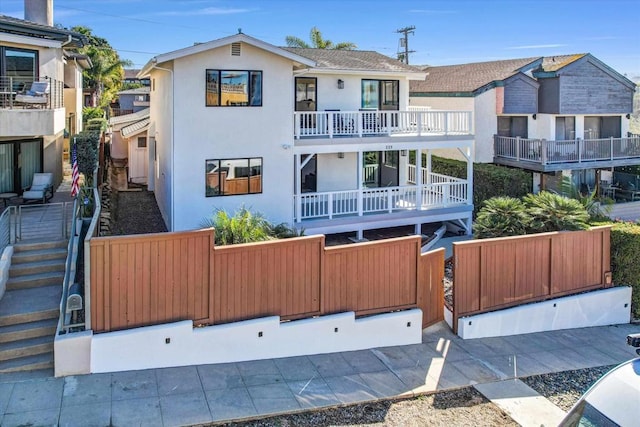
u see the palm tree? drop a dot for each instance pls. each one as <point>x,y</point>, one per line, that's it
<point>317,42</point>
<point>107,69</point>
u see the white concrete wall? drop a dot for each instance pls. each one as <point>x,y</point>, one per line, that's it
<point>597,308</point>
<point>486,126</point>
<point>180,344</point>
<point>161,119</point>
<point>5,263</point>
<point>335,174</point>
<point>203,133</point>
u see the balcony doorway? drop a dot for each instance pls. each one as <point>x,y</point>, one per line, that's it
<point>19,160</point>
<point>381,169</point>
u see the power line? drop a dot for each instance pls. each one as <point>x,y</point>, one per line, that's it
<point>404,43</point>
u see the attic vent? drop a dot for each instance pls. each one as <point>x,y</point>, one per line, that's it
<point>235,49</point>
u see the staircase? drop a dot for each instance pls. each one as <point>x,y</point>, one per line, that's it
<point>29,309</point>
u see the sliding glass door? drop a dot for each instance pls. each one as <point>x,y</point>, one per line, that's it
<point>19,160</point>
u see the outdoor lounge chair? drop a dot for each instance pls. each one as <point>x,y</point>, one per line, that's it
<point>38,95</point>
<point>41,188</point>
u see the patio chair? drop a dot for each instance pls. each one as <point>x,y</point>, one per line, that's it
<point>41,188</point>
<point>38,95</point>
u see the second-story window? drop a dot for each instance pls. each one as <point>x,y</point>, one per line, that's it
<point>18,66</point>
<point>381,94</point>
<point>233,88</point>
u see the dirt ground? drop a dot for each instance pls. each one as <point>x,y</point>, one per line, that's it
<point>135,212</point>
<point>463,407</point>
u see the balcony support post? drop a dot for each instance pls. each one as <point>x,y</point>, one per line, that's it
<point>543,151</point>
<point>298,188</point>
<point>360,169</point>
<point>580,150</point>
<point>517,148</point>
<point>611,142</point>
<point>419,178</point>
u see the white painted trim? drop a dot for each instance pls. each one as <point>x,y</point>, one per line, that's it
<point>410,75</point>
<point>255,339</point>
<point>31,41</point>
<point>610,306</point>
<point>213,44</point>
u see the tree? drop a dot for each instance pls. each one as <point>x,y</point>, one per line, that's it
<point>318,42</point>
<point>107,71</point>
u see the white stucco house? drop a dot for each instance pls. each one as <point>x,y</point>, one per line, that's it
<point>129,144</point>
<point>34,128</point>
<point>559,115</point>
<point>320,139</point>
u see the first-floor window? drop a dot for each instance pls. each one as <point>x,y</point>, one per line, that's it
<point>229,177</point>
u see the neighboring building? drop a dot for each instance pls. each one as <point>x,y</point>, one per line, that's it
<point>322,139</point>
<point>131,78</point>
<point>565,113</point>
<point>32,131</point>
<point>129,144</point>
<point>132,101</point>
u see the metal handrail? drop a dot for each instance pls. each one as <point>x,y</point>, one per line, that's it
<point>73,248</point>
<point>69,272</point>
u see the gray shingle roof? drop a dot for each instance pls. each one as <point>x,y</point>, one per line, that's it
<point>135,128</point>
<point>9,24</point>
<point>554,63</point>
<point>356,60</point>
<point>136,91</point>
<point>468,77</point>
<point>133,117</point>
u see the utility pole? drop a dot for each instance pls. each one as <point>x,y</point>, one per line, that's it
<point>404,43</point>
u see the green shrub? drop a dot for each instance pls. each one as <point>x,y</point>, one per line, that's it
<point>553,212</point>
<point>89,113</point>
<point>87,145</point>
<point>501,216</point>
<point>245,227</point>
<point>97,124</point>
<point>488,180</point>
<point>625,253</point>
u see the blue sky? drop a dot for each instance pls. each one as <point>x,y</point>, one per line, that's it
<point>447,32</point>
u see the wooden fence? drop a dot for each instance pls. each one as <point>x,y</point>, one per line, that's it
<point>490,274</point>
<point>152,279</point>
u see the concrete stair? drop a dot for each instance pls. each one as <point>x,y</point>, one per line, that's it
<point>29,309</point>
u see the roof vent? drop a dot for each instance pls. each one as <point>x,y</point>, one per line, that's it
<point>235,49</point>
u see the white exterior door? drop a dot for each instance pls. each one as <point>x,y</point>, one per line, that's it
<point>138,160</point>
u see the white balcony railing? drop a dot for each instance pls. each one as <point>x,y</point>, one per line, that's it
<point>429,178</point>
<point>547,152</point>
<point>381,200</point>
<point>330,124</point>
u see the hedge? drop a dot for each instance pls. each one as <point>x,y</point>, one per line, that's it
<point>488,180</point>
<point>625,253</point>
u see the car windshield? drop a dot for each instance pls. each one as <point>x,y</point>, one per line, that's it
<point>585,415</point>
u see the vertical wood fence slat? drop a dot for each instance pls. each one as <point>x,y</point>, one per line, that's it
<point>497,273</point>
<point>430,287</point>
<point>152,279</point>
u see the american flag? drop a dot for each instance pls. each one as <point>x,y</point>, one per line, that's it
<point>75,175</point>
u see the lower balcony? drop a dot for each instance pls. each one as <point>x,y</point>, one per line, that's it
<point>542,155</point>
<point>440,198</point>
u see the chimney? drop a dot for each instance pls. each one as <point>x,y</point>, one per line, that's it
<point>39,11</point>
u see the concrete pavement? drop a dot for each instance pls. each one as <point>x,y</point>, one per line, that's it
<point>211,393</point>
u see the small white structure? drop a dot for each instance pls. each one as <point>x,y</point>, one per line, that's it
<point>129,140</point>
<point>321,139</point>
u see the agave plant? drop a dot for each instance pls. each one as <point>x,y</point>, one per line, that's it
<point>553,212</point>
<point>501,216</point>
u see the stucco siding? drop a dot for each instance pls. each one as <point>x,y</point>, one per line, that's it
<point>203,133</point>
<point>161,119</point>
<point>486,125</point>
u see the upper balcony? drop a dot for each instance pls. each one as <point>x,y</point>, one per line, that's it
<point>546,156</point>
<point>327,126</point>
<point>27,114</point>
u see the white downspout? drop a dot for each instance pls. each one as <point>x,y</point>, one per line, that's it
<point>173,113</point>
